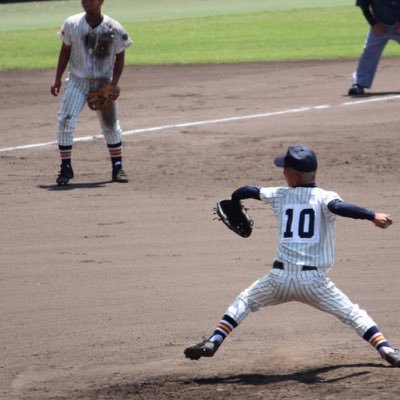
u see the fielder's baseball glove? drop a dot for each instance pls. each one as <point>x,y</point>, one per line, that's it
<point>235,217</point>
<point>102,98</point>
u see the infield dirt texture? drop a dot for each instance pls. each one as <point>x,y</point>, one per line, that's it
<point>103,285</point>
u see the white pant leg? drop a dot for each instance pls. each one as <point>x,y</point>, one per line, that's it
<point>72,104</point>
<point>266,291</point>
<point>316,290</point>
<point>109,123</point>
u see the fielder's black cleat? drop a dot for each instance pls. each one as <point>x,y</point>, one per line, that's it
<point>66,173</point>
<point>356,90</point>
<point>119,175</point>
<point>393,358</point>
<point>204,349</point>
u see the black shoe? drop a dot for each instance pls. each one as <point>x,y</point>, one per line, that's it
<point>204,349</point>
<point>356,90</point>
<point>393,358</point>
<point>66,173</point>
<point>119,175</point>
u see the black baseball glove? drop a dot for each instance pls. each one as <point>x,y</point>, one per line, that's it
<point>233,214</point>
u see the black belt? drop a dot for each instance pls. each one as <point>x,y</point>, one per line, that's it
<point>279,265</point>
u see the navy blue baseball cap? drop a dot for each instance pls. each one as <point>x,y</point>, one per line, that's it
<point>299,157</point>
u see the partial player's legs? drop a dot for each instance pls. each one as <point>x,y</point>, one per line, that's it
<point>118,174</point>
<point>310,287</point>
<point>66,172</point>
<point>369,60</point>
<point>377,340</point>
<point>324,295</point>
<point>364,75</point>
<point>206,348</point>
<point>112,133</point>
<point>261,293</point>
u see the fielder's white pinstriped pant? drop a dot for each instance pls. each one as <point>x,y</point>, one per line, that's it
<point>72,104</point>
<point>310,287</point>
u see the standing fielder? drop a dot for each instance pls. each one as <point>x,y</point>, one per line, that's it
<point>94,46</point>
<point>306,238</point>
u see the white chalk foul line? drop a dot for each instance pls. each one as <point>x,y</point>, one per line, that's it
<point>210,122</point>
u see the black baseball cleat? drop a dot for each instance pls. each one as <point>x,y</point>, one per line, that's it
<point>393,358</point>
<point>204,349</point>
<point>356,90</point>
<point>119,175</point>
<point>66,173</point>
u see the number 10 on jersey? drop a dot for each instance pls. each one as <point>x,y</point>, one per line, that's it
<point>300,223</point>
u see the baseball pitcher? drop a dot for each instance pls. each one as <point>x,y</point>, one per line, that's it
<point>306,217</point>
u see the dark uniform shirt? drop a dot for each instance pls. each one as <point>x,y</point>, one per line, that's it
<point>380,11</point>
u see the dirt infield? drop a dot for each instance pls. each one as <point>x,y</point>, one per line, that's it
<point>103,285</point>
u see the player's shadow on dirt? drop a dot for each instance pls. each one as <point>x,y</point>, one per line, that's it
<point>72,186</point>
<point>183,387</point>
<point>309,377</point>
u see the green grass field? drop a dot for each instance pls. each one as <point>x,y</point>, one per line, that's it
<point>194,31</point>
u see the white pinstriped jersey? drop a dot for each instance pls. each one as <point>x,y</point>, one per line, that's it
<point>93,49</point>
<point>306,227</point>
